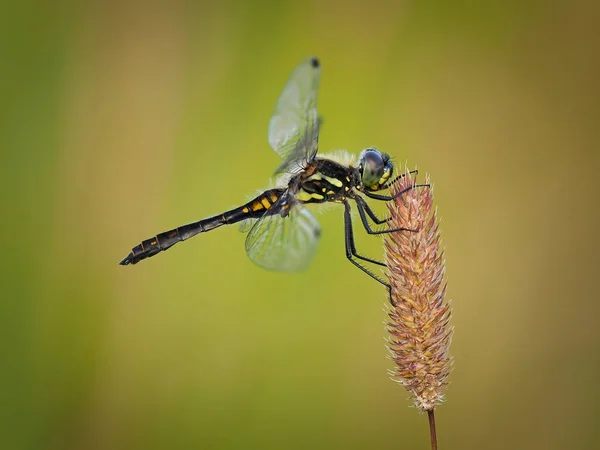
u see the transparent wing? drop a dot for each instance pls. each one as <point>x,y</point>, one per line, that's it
<point>284,244</point>
<point>246,225</point>
<point>294,125</point>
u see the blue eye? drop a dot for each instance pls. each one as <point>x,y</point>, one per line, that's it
<point>371,167</point>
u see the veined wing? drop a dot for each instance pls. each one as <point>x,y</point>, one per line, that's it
<point>294,125</point>
<point>284,244</point>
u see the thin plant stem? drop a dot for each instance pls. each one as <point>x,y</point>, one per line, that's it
<point>432,433</point>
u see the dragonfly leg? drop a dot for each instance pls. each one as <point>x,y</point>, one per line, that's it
<point>398,178</point>
<point>364,209</point>
<point>351,252</point>
<point>368,209</point>
<point>362,203</point>
<point>387,198</point>
<point>350,241</point>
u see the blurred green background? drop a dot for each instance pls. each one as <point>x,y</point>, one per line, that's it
<point>122,119</point>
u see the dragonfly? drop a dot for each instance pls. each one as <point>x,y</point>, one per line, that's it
<point>283,234</point>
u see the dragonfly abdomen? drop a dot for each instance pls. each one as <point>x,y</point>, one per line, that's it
<point>163,241</point>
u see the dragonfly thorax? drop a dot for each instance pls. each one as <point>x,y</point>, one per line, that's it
<point>324,180</point>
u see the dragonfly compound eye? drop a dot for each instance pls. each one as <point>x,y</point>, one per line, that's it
<point>374,166</point>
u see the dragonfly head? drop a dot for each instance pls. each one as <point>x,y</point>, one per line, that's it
<point>375,169</point>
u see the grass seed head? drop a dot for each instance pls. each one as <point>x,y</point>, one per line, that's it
<point>419,322</point>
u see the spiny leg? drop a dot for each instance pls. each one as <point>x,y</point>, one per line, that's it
<point>387,198</point>
<point>350,235</point>
<point>388,185</point>
<point>363,207</point>
<point>351,251</point>
<point>399,177</point>
<point>361,202</point>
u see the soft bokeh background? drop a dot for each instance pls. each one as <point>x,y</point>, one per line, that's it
<point>122,119</point>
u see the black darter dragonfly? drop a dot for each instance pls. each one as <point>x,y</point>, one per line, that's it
<point>283,234</point>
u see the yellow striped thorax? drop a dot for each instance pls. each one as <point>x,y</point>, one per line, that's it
<point>324,180</point>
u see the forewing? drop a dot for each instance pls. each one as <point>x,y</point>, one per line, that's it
<point>284,244</point>
<point>294,126</point>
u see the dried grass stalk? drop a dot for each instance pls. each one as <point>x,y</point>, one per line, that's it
<point>420,318</point>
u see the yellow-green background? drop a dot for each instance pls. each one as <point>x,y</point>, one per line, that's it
<point>122,119</point>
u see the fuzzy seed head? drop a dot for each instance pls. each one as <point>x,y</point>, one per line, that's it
<point>419,325</point>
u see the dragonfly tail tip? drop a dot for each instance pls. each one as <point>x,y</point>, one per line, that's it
<point>126,261</point>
